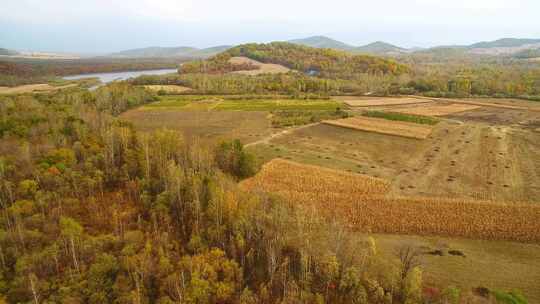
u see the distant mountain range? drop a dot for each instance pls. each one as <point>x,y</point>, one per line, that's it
<point>378,47</point>
<point>505,42</point>
<point>182,51</point>
<point>322,42</point>
<point>6,52</point>
<point>505,46</point>
<point>508,47</point>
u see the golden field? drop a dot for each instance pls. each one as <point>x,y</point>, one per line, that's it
<point>362,201</point>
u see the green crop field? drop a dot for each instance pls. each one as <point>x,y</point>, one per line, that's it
<point>225,103</point>
<point>402,117</point>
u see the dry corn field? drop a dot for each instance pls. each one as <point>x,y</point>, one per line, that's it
<point>362,202</point>
<point>286,176</point>
<point>437,110</point>
<point>374,102</point>
<point>383,126</point>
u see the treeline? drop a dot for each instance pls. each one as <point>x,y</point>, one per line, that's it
<point>494,80</point>
<point>93,212</point>
<point>325,63</point>
<point>28,71</point>
<point>288,84</point>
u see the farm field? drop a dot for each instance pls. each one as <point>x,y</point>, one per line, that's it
<point>363,202</point>
<point>383,126</point>
<point>494,264</point>
<point>207,125</point>
<point>473,157</point>
<point>230,103</point>
<point>217,117</point>
<point>469,159</point>
<point>378,101</point>
<point>437,110</point>
<point>461,262</point>
<point>170,89</point>
<point>510,104</point>
<point>30,88</point>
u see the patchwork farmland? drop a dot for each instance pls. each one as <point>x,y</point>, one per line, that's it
<point>429,170</point>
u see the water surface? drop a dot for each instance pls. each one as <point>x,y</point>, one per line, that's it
<point>113,76</point>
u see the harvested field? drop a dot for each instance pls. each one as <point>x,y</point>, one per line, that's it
<point>499,265</point>
<point>29,88</point>
<point>360,200</point>
<point>437,110</point>
<point>467,161</point>
<point>383,126</point>
<point>380,101</point>
<point>494,103</point>
<point>498,116</point>
<point>207,125</point>
<point>263,68</point>
<point>170,89</point>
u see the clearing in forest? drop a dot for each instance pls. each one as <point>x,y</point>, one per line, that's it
<point>384,126</point>
<point>263,68</point>
<point>437,110</point>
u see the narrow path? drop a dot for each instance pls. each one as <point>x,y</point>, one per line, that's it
<point>267,139</point>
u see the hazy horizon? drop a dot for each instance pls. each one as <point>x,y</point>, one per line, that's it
<point>108,26</point>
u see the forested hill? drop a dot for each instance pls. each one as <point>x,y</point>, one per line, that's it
<point>327,63</point>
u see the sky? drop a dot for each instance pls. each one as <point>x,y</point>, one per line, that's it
<point>104,26</point>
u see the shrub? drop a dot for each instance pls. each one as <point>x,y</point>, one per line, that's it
<point>231,158</point>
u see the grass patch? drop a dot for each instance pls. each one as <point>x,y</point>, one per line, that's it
<point>246,103</point>
<point>290,118</point>
<point>181,101</point>
<point>402,117</point>
<point>278,105</point>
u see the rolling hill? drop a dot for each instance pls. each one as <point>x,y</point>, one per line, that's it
<point>505,47</point>
<point>375,48</point>
<point>500,47</point>
<point>324,62</point>
<point>380,48</point>
<point>7,52</point>
<point>504,42</point>
<point>322,42</point>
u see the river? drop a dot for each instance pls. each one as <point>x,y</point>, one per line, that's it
<point>109,77</point>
